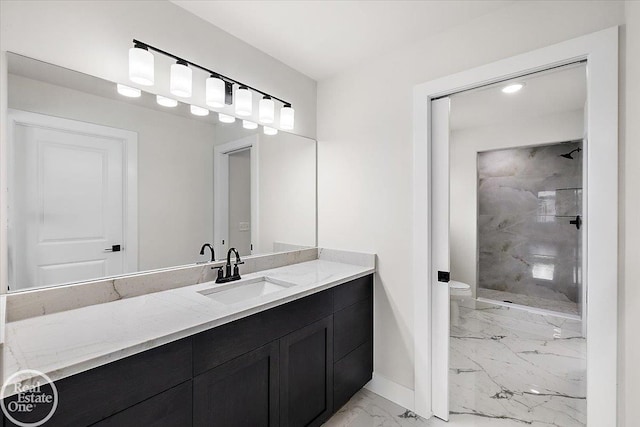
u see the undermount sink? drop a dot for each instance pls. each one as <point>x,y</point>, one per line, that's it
<point>234,292</point>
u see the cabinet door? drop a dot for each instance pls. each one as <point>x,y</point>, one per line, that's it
<point>306,375</point>
<point>241,392</point>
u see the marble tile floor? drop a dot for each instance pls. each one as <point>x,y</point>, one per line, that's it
<point>511,364</point>
<point>567,307</point>
<point>509,368</point>
<point>367,409</point>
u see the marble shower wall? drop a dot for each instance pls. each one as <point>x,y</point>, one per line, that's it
<point>526,245</point>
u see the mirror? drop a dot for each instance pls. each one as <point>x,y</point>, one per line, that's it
<point>102,185</point>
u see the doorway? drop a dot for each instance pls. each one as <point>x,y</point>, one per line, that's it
<point>240,200</point>
<point>235,196</point>
<point>431,205</point>
<point>516,229</point>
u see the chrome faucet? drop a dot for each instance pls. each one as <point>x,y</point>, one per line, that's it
<point>230,277</point>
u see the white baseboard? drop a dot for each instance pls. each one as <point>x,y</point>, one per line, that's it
<point>392,391</point>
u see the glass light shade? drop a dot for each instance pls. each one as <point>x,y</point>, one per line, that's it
<point>287,117</point>
<point>215,92</point>
<point>199,111</point>
<point>141,66</point>
<point>266,110</point>
<point>270,131</point>
<point>180,80</point>
<point>244,103</point>
<point>128,91</point>
<point>249,125</point>
<point>226,118</point>
<point>166,102</point>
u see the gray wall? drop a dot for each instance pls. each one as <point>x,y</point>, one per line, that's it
<point>526,244</point>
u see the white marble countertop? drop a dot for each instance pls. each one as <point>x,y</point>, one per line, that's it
<point>66,343</point>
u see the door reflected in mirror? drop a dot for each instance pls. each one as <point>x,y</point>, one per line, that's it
<point>102,184</point>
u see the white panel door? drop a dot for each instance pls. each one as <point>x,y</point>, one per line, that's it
<point>440,256</point>
<point>67,208</point>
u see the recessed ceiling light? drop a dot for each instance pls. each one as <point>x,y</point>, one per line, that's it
<point>513,88</point>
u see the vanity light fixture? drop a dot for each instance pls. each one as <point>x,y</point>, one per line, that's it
<point>225,118</point>
<point>141,67</point>
<point>513,88</point>
<point>166,102</point>
<point>244,101</point>
<point>269,130</point>
<point>219,88</point>
<point>287,117</point>
<point>266,110</point>
<point>128,91</point>
<point>215,92</point>
<point>198,111</point>
<point>249,125</point>
<point>180,80</point>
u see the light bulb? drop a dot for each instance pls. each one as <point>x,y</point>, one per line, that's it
<point>244,103</point>
<point>249,125</point>
<point>269,130</point>
<point>198,111</point>
<point>224,118</point>
<point>141,68</point>
<point>215,92</point>
<point>128,91</point>
<point>287,117</point>
<point>266,110</point>
<point>166,102</point>
<point>180,80</point>
<point>513,88</point>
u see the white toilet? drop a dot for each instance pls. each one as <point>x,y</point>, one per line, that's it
<point>458,291</point>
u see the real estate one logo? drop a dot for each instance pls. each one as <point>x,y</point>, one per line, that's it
<point>29,398</point>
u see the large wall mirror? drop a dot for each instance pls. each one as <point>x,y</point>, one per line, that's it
<point>101,185</point>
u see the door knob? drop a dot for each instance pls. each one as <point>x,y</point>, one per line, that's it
<point>114,248</point>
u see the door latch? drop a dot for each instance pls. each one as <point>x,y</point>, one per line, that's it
<point>444,276</point>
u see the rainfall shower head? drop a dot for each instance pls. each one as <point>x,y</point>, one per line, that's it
<point>569,154</point>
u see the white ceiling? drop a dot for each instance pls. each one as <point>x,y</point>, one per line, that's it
<point>321,38</point>
<point>545,93</point>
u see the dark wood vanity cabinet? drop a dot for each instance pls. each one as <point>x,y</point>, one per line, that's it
<point>291,366</point>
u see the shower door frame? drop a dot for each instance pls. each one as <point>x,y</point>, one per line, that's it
<point>600,50</point>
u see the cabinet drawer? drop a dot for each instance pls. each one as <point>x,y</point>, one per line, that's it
<point>172,408</point>
<point>351,374</point>
<point>94,395</point>
<point>352,292</point>
<point>352,327</point>
<point>226,342</point>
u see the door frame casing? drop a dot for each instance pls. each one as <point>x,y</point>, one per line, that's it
<point>129,141</point>
<point>600,49</point>
<point>221,191</point>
